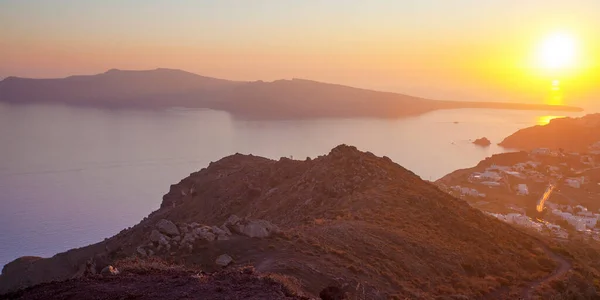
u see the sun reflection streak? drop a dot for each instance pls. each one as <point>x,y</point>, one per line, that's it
<point>543,120</point>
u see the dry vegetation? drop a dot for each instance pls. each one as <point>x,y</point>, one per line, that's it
<point>583,281</point>
<point>348,219</point>
<point>351,218</point>
<point>157,279</point>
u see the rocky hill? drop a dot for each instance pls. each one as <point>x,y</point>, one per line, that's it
<point>348,219</point>
<point>139,279</point>
<point>280,99</point>
<point>570,134</point>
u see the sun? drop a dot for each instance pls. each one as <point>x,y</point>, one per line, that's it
<point>558,51</point>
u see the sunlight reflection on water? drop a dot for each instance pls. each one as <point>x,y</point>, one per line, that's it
<point>543,120</point>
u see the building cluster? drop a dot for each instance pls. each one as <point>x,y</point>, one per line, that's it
<point>465,191</point>
<point>579,217</point>
<point>527,222</point>
<point>531,171</point>
<point>595,148</point>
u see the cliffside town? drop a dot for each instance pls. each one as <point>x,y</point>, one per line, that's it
<point>511,187</point>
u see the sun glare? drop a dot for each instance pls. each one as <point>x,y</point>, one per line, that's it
<point>543,120</point>
<point>558,51</point>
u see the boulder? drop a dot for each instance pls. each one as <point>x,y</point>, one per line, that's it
<point>167,227</point>
<point>109,271</point>
<point>155,236</point>
<point>232,220</point>
<point>189,238</point>
<point>218,231</point>
<point>226,230</point>
<point>204,233</point>
<point>194,225</point>
<point>183,229</point>
<point>223,260</point>
<point>255,228</point>
<point>163,242</point>
<point>141,251</point>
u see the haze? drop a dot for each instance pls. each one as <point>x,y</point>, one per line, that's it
<point>447,50</point>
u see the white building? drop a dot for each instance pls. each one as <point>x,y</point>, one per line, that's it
<point>522,189</point>
<point>515,174</point>
<point>465,191</point>
<point>587,214</point>
<point>491,175</point>
<point>595,148</point>
<point>590,222</point>
<point>553,169</point>
<point>541,151</point>
<point>574,183</point>
<point>580,223</point>
<point>498,168</point>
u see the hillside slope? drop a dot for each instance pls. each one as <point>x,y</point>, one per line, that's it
<point>348,218</point>
<point>156,280</point>
<point>570,134</point>
<point>281,99</point>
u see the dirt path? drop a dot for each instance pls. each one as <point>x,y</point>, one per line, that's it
<point>527,293</point>
<point>563,267</point>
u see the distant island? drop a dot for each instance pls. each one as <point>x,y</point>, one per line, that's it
<point>569,134</point>
<point>483,142</point>
<point>280,99</point>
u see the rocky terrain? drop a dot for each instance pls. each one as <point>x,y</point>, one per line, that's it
<point>156,280</point>
<point>483,142</point>
<point>348,219</point>
<point>569,134</point>
<point>287,99</point>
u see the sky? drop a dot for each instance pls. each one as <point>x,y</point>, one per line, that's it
<point>484,50</point>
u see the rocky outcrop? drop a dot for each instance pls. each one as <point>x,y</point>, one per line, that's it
<point>19,263</point>
<point>483,142</point>
<point>223,260</point>
<point>167,227</point>
<point>166,236</point>
<point>109,271</point>
<point>172,284</point>
<point>253,228</point>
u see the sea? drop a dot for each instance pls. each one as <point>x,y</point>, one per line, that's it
<point>72,176</point>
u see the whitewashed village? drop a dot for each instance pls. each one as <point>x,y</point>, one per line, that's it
<point>550,191</point>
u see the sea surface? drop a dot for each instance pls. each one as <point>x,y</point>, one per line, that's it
<point>72,176</point>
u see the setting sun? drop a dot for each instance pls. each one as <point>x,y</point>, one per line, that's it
<point>558,51</point>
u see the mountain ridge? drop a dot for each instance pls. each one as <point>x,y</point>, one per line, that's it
<point>280,99</point>
<point>347,218</point>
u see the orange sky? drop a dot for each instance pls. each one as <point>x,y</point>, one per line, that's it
<point>451,49</point>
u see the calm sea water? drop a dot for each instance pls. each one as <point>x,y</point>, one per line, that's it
<point>73,176</point>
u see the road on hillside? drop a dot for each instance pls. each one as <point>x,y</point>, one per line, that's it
<point>564,266</point>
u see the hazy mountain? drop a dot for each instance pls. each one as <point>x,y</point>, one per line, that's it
<point>295,98</point>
